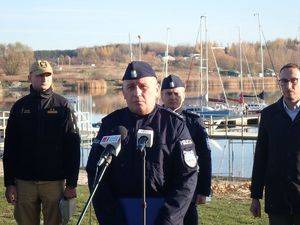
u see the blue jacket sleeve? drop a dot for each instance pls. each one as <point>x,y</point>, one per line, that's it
<point>204,159</point>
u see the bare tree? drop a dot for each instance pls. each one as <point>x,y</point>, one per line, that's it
<point>87,55</point>
<point>15,57</point>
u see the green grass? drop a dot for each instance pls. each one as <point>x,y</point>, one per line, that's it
<point>220,211</point>
<point>6,210</point>
<point>228,211</point>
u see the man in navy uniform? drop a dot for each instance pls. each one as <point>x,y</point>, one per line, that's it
<point>171,164</point>
<point>173,95</point>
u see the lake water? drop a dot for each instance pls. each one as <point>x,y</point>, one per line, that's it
<point>234,159</point>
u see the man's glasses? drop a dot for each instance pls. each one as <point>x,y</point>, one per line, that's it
<point>284,81</point>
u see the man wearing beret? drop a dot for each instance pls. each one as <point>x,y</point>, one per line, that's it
<point>171,164</point>
<point>173,95</point>
<point>41,151</point>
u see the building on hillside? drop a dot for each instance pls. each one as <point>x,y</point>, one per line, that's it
<point>231,72</point>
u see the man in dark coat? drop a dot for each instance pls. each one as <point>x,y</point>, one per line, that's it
<point>171,164</point>
<point>41,151</point>
<point>173,95</point>
<point>276,167</point>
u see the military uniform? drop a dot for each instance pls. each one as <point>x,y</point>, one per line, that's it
<point>171,167</point>
<point>41,142</point>
<point>42,151</point>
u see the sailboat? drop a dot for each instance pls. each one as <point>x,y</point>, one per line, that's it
<point>258,106</point>
<point>218,107</point>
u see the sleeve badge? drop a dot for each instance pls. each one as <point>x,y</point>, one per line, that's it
<point>190,158</point>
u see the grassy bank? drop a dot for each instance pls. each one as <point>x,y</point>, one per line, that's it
<point>6,210</point>
<point>222,210</point>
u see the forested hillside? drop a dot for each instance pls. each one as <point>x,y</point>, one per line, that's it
<point>16,57</point>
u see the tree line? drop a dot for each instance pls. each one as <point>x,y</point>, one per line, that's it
<point>16,57</point>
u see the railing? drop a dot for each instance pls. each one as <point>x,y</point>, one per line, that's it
<point>240,127</point>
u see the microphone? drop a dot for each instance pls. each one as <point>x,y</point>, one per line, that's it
<point>112,143</point>
<point>144,138</point>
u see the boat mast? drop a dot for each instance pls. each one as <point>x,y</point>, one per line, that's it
<point>201,58</point>
<point>206,62</point>
<point>203,66</point>
<point>241,66</point>
<point>261,51</point>
<point>167,52</point>
<point>140,48</point>
<point>130,49</point>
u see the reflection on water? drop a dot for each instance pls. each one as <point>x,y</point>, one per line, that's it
<point>112,99</point>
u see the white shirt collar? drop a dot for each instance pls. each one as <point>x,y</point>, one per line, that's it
<point>296,107</point>
<point>292,112</point>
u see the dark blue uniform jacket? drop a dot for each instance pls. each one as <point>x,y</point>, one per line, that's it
<point>200,138</point>
<point>171,167</point>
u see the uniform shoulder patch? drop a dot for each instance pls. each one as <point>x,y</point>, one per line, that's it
<point>113,116</point>
<point>173,113</point>
<point>191,113</point>
<point>189,155</point>
<point>190,158</point>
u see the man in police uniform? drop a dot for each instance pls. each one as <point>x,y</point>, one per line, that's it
<point>171,164</point>
<point>41,151</point>
<point>173,95</point>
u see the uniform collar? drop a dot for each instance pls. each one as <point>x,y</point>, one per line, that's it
<point>179,111</point>
<point>137,117</point>
<point>45,94</point>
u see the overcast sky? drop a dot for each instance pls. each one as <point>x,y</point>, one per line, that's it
<point>69,24</point>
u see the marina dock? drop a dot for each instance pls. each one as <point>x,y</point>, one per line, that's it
<point>230,128</point>
<point>240,127</point>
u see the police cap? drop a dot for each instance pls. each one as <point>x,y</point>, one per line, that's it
<point>137,70</point>
<point>171,81</point>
